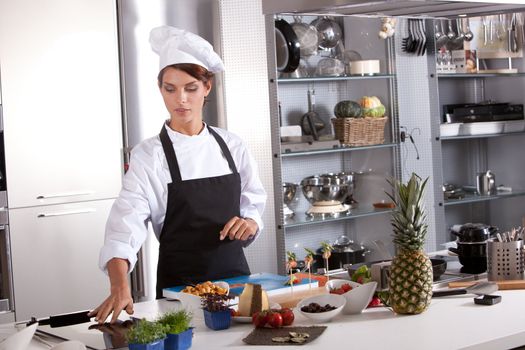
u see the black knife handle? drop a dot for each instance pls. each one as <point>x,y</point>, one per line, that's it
<point>444,293</point>
<point>69,319</point>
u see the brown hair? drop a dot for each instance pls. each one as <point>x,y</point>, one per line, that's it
<point>195,70</point>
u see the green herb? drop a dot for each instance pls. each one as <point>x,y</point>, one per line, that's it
<point>176,321</point>
<point>145,332</point>
<point>215,302</point>
<point>291,256</point>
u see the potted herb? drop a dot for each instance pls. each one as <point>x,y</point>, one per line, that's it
<point>217,314</point>
<point>179,332</point>
<point>146,335</point>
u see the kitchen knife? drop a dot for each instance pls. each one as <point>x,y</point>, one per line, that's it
<point>63,320</point>
<point>479,289</point>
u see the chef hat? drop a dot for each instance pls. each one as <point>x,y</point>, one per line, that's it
<point>175,45</point>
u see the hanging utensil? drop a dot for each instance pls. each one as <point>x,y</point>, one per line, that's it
<point>514,38</point>
<point>485,34</point>
<point>443,39</point>
<point>311,123</point>
<point>468,34</point>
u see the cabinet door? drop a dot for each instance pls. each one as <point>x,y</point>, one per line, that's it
<point>55,252</point>
<point>61,100</point>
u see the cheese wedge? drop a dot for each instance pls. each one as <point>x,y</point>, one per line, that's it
<point>252,299</point>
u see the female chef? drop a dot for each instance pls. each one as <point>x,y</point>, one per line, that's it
<point>197,185</point>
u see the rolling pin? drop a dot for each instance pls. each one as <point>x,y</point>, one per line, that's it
<point>502,285</point>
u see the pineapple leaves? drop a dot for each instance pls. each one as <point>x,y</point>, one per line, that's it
<point>408,219</point>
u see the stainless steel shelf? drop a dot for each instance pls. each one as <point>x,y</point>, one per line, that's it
<point>301,219</point>
<point>463,137</point>
<point>337,150</point>
<point>479,75</point>
<point>350,77</point>
<point>474,198</point>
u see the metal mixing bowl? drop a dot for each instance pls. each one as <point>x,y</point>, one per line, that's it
<point>327,189</point>
<point>289,191</point>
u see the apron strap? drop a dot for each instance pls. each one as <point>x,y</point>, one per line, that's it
<point>167,146</point>
<point>225,150</point>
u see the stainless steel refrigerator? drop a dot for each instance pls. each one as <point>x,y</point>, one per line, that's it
<point>144,108</point>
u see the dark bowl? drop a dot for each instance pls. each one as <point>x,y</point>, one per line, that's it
<point>439,266</point>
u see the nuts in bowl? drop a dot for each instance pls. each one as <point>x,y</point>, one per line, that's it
<point>321,308</point>
<point>207,288</point>
<point>357,295</point>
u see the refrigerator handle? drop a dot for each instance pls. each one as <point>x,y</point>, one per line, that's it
<point>64,194</point>
<point>68,212</point>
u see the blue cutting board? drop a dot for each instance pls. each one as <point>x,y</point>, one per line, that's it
<point>271,283</point>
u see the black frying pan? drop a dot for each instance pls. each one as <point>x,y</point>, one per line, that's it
<point>287,47</point>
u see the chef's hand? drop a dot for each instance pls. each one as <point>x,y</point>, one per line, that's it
<point>120,296</point>
<point>239,228</point>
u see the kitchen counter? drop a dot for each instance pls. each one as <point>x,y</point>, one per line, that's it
<point>449,323</point>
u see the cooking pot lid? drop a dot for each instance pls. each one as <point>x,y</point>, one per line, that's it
<point>345,244</point>
<point>475,232</point>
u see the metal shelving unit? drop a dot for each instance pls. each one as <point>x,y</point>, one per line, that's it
<point>479,75</point>
<point>303,219</point>
<point>341,78</point>
<point>337,150</point>
<point>481,136</point>
<point>288,102</point>
<point>474,198</point>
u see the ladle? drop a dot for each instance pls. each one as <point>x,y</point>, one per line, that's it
<point>468,36</point>
<point>443,39</point>
<point>450,34</point>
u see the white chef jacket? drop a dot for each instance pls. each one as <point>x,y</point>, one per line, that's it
<point>144,193</point>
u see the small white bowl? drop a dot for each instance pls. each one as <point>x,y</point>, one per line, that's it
<point>358,298</point>
<point>333,299</point>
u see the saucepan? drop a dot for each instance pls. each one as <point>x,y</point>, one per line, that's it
<point>345,252</point>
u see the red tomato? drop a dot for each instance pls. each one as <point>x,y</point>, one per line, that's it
<point>260,319</point>
<point>374,302</point>
<point>275,320</point>
<point>287,315</point>
<point>346,287</point>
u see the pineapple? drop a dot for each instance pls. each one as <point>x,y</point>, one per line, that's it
<point>410,284</point>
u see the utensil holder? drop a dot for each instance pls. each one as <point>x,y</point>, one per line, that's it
<point>505,260</point>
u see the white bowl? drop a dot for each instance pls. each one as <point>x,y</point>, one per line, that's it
<point>333,299</point>
<point>20,339</point>
<point>358,298</point>
<point>193,302</point>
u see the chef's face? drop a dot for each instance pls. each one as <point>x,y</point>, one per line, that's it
<point>183,95</point>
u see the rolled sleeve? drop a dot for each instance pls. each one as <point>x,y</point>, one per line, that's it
<point>126,227</point>
<point>253,195</point>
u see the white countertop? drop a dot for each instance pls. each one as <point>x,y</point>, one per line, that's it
<point>449,323</point>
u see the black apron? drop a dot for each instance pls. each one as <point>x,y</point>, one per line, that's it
<point>190,250</point>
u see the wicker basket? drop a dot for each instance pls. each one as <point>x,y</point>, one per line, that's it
<point>360,131</point>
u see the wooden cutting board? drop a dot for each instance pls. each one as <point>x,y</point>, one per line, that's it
<point>502,285</point>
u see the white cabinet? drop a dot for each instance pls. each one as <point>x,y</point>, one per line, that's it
<point>61,100</point>
<point>55,252</point>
